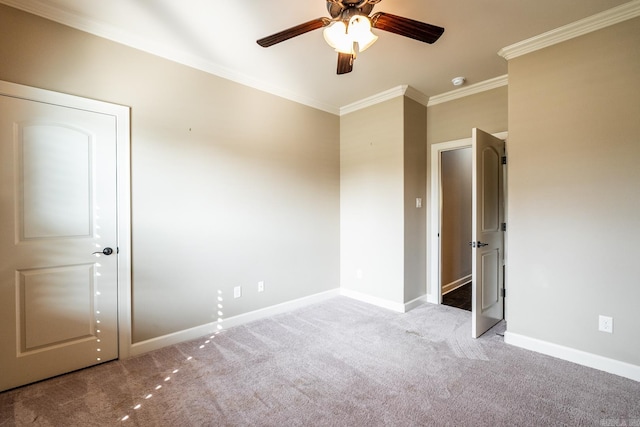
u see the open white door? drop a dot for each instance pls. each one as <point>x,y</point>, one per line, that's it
<point>58,300</point>
<point>487,235</point>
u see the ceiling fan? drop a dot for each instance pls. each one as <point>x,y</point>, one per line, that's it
<point>349,29</point>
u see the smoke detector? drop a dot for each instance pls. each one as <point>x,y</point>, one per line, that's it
<point>458,81</point>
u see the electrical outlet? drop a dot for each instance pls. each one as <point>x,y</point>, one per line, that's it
<point>261,286</point>
<point>605,324</point>
<point>237,292</point>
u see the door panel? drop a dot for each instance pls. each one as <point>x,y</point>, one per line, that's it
<point>488,269</point>
<point>490,188</point>
<point>54,170</point>
<point>55,306</point>
<point>487,234</point>
<point>58,299</point>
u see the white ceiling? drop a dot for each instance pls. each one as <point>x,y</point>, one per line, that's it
<point>219,37</point>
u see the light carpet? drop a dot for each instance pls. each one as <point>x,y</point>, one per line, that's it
<point>337,363</point>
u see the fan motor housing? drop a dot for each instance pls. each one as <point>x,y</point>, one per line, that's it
<point>337,8</point>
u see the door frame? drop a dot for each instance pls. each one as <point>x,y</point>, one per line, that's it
<point>121,114</point>
<point>433,241</point>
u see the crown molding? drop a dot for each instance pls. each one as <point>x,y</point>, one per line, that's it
<point>402,90</point>
<point>374,99</point>
<point>584,26</point>
<point>417,96</point>
<point>36,7</point>
<point>410,92</point>
<point>494,83</point>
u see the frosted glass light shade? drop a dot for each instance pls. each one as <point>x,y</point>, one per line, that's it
<point>343,38</point>
<point>360,31</point>
<point>335,34</point>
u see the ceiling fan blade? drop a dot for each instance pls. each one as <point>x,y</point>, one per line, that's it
<point>345,63</point>
<point>406,27</point>
<point>293,32</point>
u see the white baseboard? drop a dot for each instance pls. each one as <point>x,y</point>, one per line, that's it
<point>580,357</point>
<point>380,302</point>
<point>414,303</point>
<point>209,328</point>
<point>383,303</point>
<point>171,339</point>
<point>456,284</point>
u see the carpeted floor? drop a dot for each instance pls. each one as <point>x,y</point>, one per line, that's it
<point>338,363</point>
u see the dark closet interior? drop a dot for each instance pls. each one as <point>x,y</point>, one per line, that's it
<point>455,266</point>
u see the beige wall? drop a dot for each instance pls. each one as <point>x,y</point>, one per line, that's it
<point>455,233</point>
<point>415,180</point>
<point>372,201</point>
<point>574,192</point>
<point>382,172</point>
<point>453,120</point>
<point>229,185</point>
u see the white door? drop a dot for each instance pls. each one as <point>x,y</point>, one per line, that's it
<point>487,235</point>
<point>58,300</point>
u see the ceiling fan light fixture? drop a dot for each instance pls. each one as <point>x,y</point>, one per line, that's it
<point>343,37</point>
<point>360,31</point>
<point>348,31</point>
<point>335,34</point>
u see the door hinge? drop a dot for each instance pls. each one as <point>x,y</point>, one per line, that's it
<point>504,160</point>
<point>503,292</point>
<point>504,226</point>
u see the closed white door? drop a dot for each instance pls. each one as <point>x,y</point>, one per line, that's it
<point>487,235</point>
<point>58,300</point>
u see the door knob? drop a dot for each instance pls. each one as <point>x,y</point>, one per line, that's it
<point>105,251</point>
<point>477,244</point>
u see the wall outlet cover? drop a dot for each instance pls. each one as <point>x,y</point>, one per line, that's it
<point>605,324</point>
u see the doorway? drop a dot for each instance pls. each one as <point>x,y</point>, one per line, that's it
<point>487,285</point>
<point>455,228</point>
